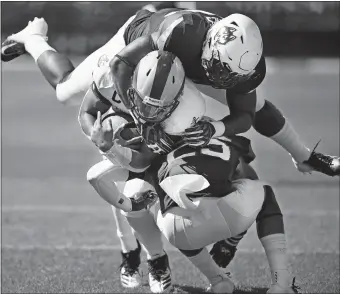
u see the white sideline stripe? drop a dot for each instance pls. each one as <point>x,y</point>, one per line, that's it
<point>118,248</point>
<point>95,209</point>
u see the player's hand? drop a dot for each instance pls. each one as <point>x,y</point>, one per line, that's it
<point>133,143</point>
<point>143,200</point>
<point>199,135</point>
<point>102,134</point>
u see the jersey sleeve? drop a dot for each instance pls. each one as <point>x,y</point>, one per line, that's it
<point>254,81</point>
<point>180,30</point>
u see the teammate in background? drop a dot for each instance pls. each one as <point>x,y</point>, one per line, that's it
<point>195,211</point>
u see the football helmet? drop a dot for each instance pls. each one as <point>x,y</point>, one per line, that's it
<point>157,85</point>
<point>232,49</point>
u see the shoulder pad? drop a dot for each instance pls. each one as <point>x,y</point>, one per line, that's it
<point>102,77</point>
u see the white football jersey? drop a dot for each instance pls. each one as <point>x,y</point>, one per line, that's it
<point>103,79</point>
<point>191,109</point>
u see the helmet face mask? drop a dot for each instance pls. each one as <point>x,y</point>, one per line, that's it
<point>151,112</point>
<point>220,74</point>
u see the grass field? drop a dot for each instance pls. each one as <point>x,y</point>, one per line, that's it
<point>58,236</point>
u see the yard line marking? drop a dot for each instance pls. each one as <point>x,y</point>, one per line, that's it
<point>95,209</point>
<point>104,247</point>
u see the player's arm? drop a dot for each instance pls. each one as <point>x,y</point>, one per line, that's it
<point>92,103</point>
<point>242,111</point>
<point>125,62</point>
<point>242,103</point>
<point>141,158</point>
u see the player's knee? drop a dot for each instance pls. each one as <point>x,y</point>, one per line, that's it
<point>270,206</point>
<point>101,170</point>
<point>269,120</point>
<point>269,220</point>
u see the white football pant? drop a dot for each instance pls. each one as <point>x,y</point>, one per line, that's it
<point>80,79</point>
<point>215,219</point>
<point>109,181</point>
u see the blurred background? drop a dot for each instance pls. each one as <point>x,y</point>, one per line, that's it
<point>289,28</point>
<point>58,236</point>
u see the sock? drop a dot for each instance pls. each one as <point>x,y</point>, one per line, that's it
<point>233,241</point>
<point>275,248</point>
<point>206,264</point>
<point>149,235</point>
<point>291,141</point>
<point>125,234</point>
<point>37,45</point>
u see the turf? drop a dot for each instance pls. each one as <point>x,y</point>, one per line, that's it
<point>59,237</point>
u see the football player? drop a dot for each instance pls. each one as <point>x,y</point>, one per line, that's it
<point>225,53</point>
<point>122,169</point>
<point>195,211</point>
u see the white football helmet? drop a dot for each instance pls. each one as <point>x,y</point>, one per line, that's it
<point>232,49</point>
<point>157,85</point>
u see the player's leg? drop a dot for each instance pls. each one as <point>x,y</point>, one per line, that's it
<point>148,233</point>
<point>270,122</point>
<point>69,82</point>
<point>102,176</point>
<point>270,230</point>
<point>224,251</point>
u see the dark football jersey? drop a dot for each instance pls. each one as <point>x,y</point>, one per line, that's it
<point>216,162</point>
<point>183,32</point>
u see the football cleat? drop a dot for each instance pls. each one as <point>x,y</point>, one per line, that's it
<point>13,46</point>
<point>129,269</point>
<point>160,275</point>
<point>11,50</point>
<point>37,27</point>
<point>276,288</point>
<point>326,164</point>
<point>221,284</point>
<point>222,253</point>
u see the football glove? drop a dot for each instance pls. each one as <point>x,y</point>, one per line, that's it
<point>155,138</point>
<point>199,135</point>
<point>143,200</point>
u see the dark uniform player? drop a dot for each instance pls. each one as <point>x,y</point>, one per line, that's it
<point>200,40</point>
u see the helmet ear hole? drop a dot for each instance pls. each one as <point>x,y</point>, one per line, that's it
<point>234,23</point>
<point>173,79</point>
<point>147,74</point>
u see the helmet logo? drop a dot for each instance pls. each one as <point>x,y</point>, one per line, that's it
<point>103,60</point>
<point>225,35</point>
